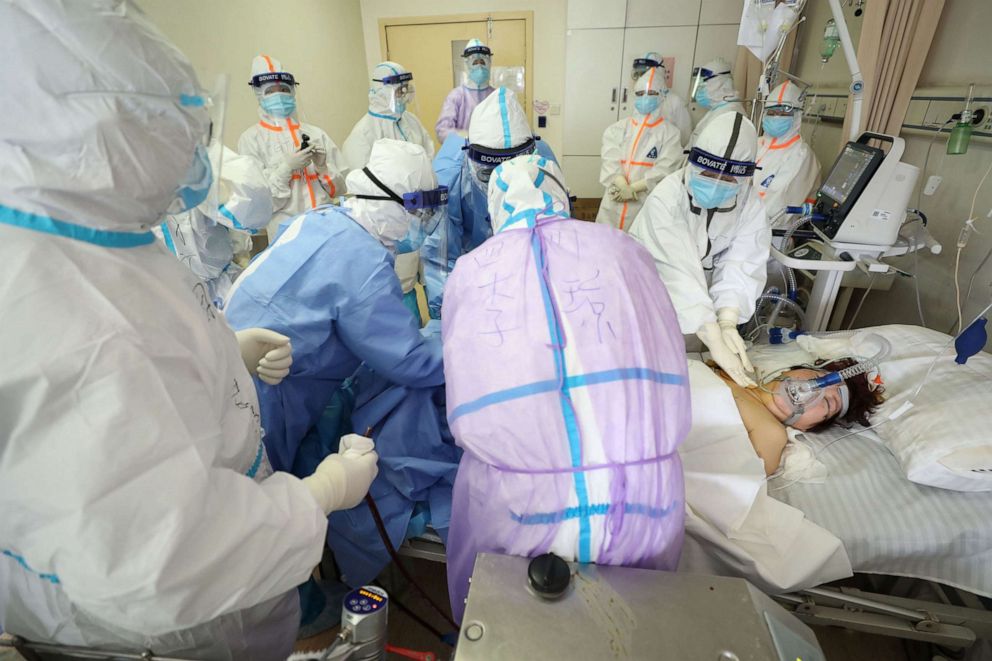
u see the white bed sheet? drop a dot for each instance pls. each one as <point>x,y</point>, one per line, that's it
<point>890,525</point>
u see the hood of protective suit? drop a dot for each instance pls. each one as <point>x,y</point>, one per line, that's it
<point>101,113</point>
<point>499,122</point>
<point>526,188</point>
<point>720,139</point>
<point>241,190</point>
<point>721,88</point>
<point>475,50</point>
<point>787,94</point>
<point>402,166</point>
<point>380,95</point>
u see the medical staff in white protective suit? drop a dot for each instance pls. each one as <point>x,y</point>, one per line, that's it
<point>638,152</point>
<point>303,166</point>
<point>673,107</point>
<point>390,94</point>
<point>705,227</point>
<point>789,171</point>
<point>207,238</point>
<point>714,90</point>
<point>139,510</point>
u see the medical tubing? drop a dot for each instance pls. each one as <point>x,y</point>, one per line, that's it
<point>381,527</point>
<point>862,366</point>
<point>791,289</point>
<point>782,300</point>
<point>792,230</point>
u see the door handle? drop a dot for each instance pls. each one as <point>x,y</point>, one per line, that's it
<point>613,97</point>
<point>624,95</point>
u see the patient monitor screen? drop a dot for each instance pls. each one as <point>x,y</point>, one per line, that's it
<point>851,167</point>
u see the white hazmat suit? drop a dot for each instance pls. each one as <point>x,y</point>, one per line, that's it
<point>638,152</point>
<point>139,508</point>
<point>710,240</point>
<point>296,183</point>
<point>203,238</point>
<point>789,171</point>
<point>716,93</point>
<point>673,107</point>
<point>390,91</point>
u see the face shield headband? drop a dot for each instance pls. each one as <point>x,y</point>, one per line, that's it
<point>412,202</point>
<point>477,50</point>
<point>275,77</point>
<point>395,79</point>
<point>491,158</point>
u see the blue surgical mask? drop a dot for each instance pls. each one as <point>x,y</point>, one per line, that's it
<point>196,185</point>
<point>647,104</point>
<point>280,104</point>
<point>703,97</point>
<point>710,193</point>
<point>776,126</point>
<point>400,107</point>
<point>479,75</point>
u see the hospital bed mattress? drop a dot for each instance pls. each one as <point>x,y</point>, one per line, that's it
<point>890,525</point>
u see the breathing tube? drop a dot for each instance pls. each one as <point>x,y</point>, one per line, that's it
<point>799,395</point>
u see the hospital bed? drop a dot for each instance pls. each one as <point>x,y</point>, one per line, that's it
<point>890,528</point>
<point>921,556</point>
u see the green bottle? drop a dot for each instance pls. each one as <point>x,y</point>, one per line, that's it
<point>831,40</point>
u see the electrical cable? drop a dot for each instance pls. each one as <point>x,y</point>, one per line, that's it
<point>871,282</point>
<point>381,527</point>
<point>406,609</point>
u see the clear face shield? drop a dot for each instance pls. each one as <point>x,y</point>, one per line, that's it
<point>276,93</point>
<point>425,208</point>
<point>700,75</point>
<point>478,63</point>
<point>714,182</point>
<point>398,92</point>
<point>199,184</point>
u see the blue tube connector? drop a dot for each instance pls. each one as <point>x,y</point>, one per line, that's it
<point>778,335</point>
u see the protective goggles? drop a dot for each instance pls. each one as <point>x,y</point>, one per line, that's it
<point>642,63</point>
<point>395,79</point>
<point>708,161</point>
<point>477,50</point>
<point>781,109</point>
<point>491,158</point>
<point>272,77</point>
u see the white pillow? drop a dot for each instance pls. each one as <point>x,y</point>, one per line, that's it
<point>945,439</point>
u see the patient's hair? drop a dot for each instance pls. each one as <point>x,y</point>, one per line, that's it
<point>863,401</point>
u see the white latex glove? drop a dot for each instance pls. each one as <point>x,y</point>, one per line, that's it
<point>342,479</point>
<point>638,187</point>
<point>712,336</point>
<point>727,318</point>
<point>266,353</point>
<point>614,193</point>
<point>623,188</point>
<point>298,160</point>
<point>319,159</point>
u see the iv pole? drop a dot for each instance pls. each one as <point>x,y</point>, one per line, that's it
<point>857,81</point>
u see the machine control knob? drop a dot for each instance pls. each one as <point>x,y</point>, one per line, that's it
<point>548,576</point>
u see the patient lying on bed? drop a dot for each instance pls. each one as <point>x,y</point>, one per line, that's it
<point>764,416</point>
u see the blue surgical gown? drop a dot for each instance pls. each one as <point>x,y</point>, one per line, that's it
<point>468,218</point>
<point>330,286</point>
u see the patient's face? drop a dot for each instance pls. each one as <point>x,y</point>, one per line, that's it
<point>826,408</point>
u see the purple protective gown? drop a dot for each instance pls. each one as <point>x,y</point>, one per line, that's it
<point>567,389</point>
<point>457,108</point>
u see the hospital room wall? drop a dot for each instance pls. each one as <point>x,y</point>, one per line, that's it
<point>959,55</point>
<point>319,42</point>
<point>549,42</point>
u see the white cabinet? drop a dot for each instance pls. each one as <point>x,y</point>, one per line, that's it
<point>593,90</point>
<point>658,13</point>
<point>596,14</point>
<point>602,40</point>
